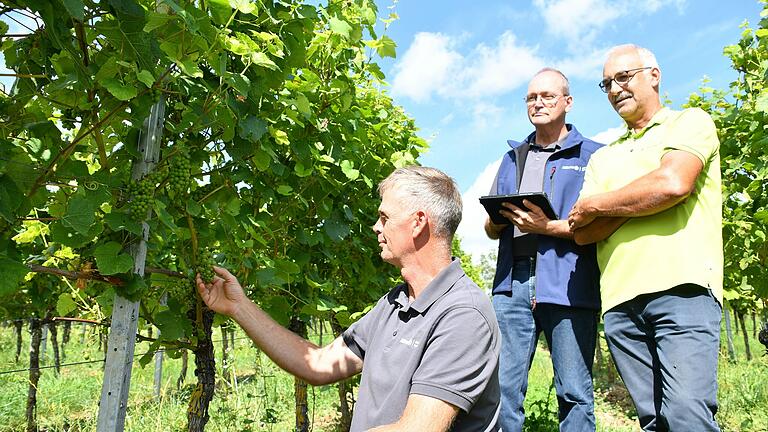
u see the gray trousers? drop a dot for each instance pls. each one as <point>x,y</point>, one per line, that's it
<point>665,346</point>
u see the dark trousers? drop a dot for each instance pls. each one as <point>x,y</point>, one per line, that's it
<point>665,346</point>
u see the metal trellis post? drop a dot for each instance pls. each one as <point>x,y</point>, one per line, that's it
<point>125,313</point>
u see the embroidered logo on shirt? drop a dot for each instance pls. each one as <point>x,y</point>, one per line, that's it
<point>574,167</point>
<point>413,343</point>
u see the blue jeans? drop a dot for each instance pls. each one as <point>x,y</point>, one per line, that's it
<point>570,333</point>
<point>665,346</point>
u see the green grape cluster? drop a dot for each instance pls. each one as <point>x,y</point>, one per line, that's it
<point>205,263</point>
<point>179,171</point>
<point>142,194</point>
<point>68,117</point>
<point>183,292</point>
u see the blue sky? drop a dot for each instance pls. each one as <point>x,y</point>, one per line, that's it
<point>462,70</point>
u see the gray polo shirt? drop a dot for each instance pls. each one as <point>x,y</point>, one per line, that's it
<point>444,345</point>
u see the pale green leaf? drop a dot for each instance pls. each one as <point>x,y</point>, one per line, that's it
<point>146,78</point>
<point>761,103</point>
<point>110,259</point>
<point>65,304</point>
<point>244,6</point>
<point>280,136</point>
<point>340,27</point>
<point>347,167</point>
<point>261,59</point>
<point>119,90</point>
<point>302,104</point>
<point>386,47</point>
<point>284,190</point>
<point>108,70</point>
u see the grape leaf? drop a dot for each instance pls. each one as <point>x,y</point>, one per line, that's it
<point>13,273</point>
<point>110,260</point>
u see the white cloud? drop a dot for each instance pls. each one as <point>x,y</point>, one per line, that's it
<point>486,115</point>
<point>609,135</point>
<point>426,67</point>
<point>501,68</point>
<point>579,22</point>
<point>588,66</point>
<point>433,65</point>
<point>473,238</point>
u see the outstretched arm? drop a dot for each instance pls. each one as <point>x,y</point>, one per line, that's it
<point>296,355</point>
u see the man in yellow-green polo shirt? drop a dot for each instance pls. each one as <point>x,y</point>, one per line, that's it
<point>652,203</point>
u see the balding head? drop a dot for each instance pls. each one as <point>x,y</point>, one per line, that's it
<point>631,78</point>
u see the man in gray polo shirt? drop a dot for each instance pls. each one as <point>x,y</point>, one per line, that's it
<point>430,346</point>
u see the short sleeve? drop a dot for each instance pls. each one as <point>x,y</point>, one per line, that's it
<point>591,185</point>
<point>693,131</point>
<point>461,358</point>
<point>357,336</point>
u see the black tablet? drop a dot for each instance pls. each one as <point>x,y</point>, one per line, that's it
<point>492,204</point>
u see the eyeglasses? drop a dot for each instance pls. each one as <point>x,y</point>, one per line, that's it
<point>622,78</point>
<point>547,99</point>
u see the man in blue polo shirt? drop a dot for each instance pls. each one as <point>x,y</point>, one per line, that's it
<point>544,281</point>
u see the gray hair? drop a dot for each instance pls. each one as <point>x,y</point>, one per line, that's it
<point>648,58</point>
<point>566,83</point>
<point>431,190</point>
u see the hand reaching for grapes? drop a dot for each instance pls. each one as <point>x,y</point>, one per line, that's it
<point>224,294</point>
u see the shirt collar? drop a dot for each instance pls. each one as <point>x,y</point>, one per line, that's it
<point>660,117</point>
<point>550,147</point>
<point>441,284</point>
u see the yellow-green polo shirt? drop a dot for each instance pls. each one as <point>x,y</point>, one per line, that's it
<point>682,244</point>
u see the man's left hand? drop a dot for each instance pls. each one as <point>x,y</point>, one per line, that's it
<point>580,214</point>
<point>532,221</point>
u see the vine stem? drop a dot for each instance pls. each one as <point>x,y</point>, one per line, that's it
<point>95,275</point>
<point>23,75</point>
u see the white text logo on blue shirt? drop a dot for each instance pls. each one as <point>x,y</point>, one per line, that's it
<point>574,167</point>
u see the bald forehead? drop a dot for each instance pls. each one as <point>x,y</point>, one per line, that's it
<point>547,81</point>
<point>622,59</point>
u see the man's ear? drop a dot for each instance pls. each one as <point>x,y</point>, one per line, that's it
<point>420,223</point>
<point>655,77</point>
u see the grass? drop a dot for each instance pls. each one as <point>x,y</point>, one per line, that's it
<point>263,399</point>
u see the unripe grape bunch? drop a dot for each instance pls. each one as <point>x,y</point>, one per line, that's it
<point>205,263</point>
<point>183,292</point>
<point>142,193</point>
<point>179,172</point>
